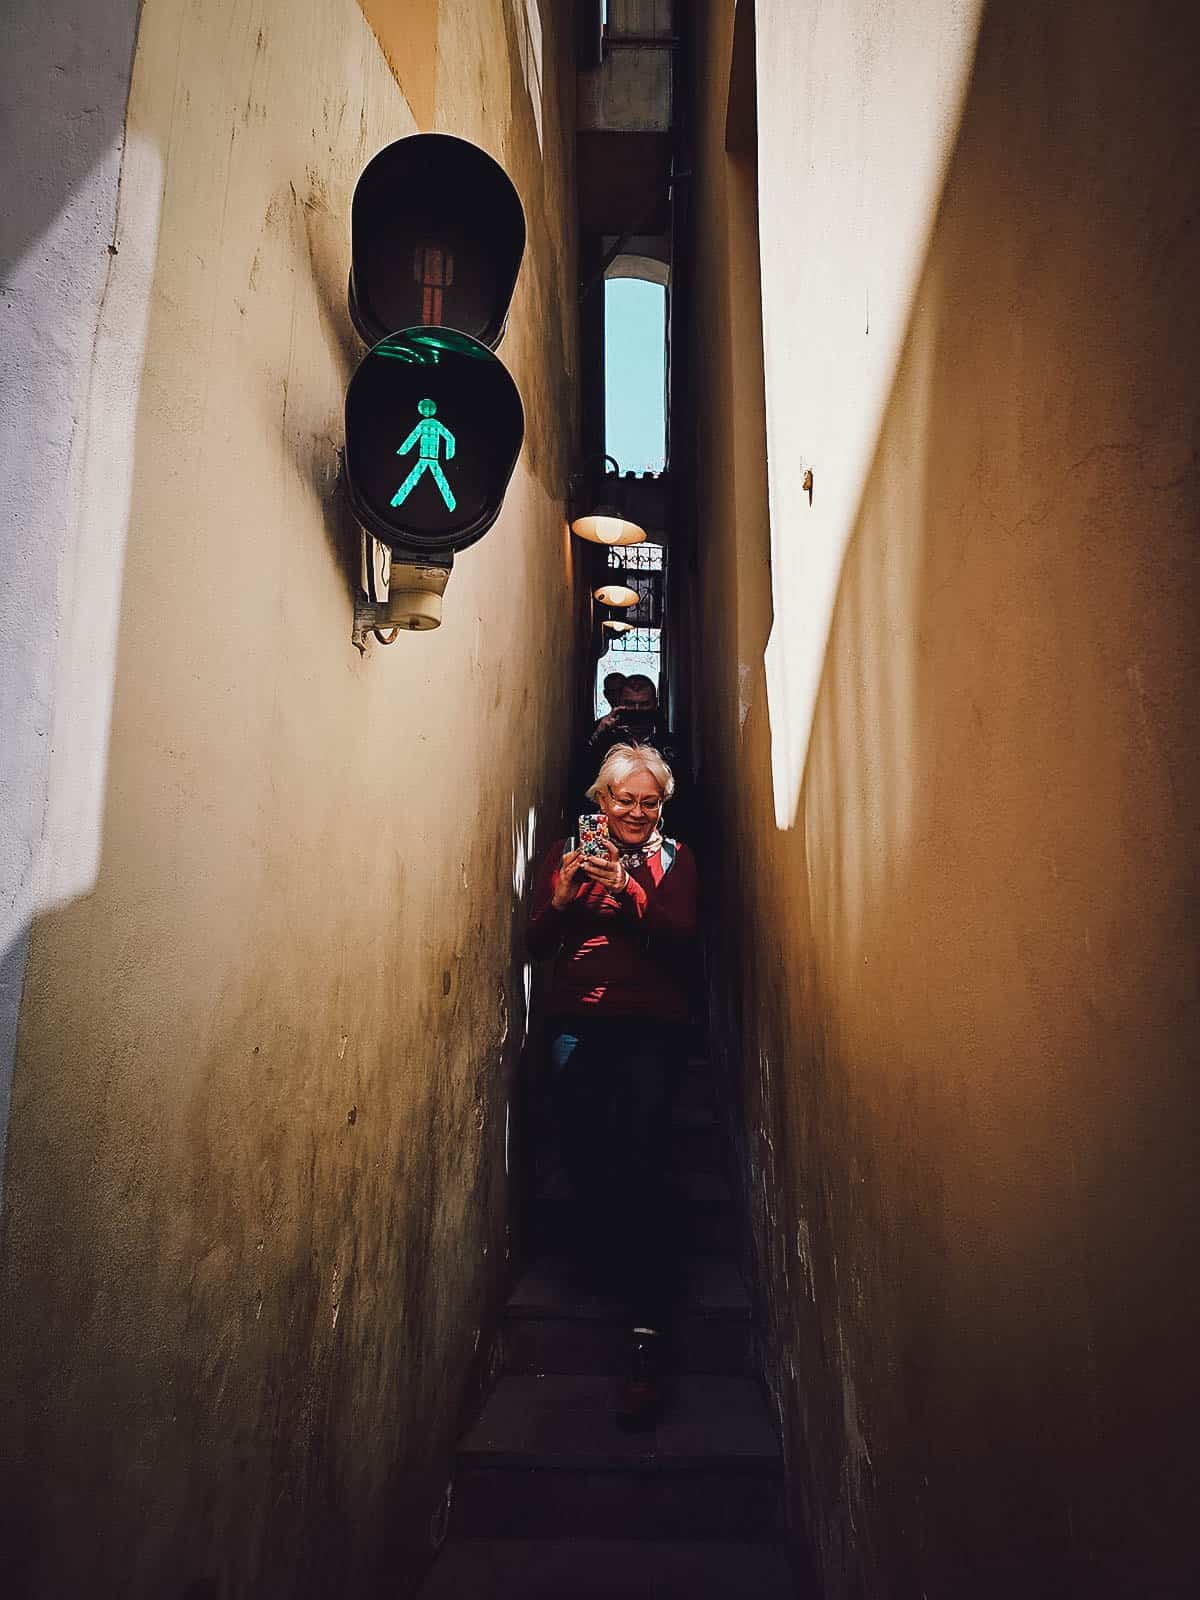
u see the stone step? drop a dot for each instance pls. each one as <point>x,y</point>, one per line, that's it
<point>604,1569</point>
<point>711,1233</point>
<point>703,1204</point>
<point>547,1459</point>
<point>694,1189</point>
<point>548,1326</point>
<point>695,1092</point>
<point>697,1143</point>
<point>697,1139</point>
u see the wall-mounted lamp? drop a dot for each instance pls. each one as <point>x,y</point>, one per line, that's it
<point>616,594</point>
<point>604,524</point>
<point>617,628</point>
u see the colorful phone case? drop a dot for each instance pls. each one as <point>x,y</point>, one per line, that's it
<point>593,831</point>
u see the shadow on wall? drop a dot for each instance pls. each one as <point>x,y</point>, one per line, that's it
<point>47,39</point>
<point>12,977</point>
<point>56,227</point>
<point>255,1229</point>
<point>222,1159</point>
<point>970,1082</point>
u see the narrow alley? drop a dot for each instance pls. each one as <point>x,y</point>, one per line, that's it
<point>598,800</point>
<point>550,1498</point>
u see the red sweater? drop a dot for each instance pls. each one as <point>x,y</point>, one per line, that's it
<point>625,955</point>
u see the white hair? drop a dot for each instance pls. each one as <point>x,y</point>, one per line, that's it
<point>623,760</point>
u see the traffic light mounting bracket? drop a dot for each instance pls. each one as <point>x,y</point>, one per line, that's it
<point>413,603</point>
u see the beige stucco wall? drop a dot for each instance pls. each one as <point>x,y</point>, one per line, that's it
<point>957,791</point>
<point>257,1202</point>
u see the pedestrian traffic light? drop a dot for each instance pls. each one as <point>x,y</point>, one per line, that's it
<point>437,238</point>
<point>434,426</point>
<point>434,423</point>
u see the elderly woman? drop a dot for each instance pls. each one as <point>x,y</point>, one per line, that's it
<point>621,928</point>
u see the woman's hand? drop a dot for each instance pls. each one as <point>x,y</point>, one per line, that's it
<point>566,885</point>
<point>608,872</point>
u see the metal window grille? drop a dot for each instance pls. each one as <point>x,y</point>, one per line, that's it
<point>638,641</point>
<point>636,558</point>
<point>640,568</point>
<point>648,613</point>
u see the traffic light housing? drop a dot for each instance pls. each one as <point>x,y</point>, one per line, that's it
<point>434,426</point>
<point>434,422</point>
<point>438,233</point>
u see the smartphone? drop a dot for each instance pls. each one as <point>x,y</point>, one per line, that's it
<point>593,831</point>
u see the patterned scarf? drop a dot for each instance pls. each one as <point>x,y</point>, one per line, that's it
<point>637,857</point>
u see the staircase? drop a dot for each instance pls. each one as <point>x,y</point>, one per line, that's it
<point>551,1499</point>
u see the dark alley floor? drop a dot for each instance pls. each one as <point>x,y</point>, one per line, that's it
<point>551,1498</point>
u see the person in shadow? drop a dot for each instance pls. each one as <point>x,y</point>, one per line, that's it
<point>621,925</point>
<point>614,688</point>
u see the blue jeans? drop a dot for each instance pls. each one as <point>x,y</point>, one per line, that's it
<point>612,1081</point>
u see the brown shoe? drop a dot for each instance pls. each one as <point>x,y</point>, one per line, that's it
<point>640,1403</point>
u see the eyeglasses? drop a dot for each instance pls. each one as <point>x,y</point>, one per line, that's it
<point>628,802</point>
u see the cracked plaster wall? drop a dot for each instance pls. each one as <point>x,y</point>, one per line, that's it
<point>956,989</point>
<point>255,1215</point>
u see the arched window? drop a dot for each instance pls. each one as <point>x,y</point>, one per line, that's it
<point>635,370</point>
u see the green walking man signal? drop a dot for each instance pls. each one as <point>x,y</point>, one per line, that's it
<point>428,435</point>
<point>458,458</point>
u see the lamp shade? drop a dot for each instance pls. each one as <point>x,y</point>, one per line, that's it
<point>618,627</point>
<point>616,594</point>
<point>606,525</point>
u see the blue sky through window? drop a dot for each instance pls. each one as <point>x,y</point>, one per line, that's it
<point>635,373</point>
